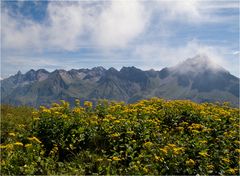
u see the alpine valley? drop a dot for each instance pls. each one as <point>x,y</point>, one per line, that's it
<point>197,79</point>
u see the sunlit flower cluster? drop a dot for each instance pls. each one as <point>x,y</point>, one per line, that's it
<point>153,136</point>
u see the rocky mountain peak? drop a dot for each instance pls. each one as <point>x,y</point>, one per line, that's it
<point>198,79</point>
<point>42,71</point>
<point>19,72</point>
<point>99,69</point>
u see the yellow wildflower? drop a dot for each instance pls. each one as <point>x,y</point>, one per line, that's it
<point>54,150</point>
<point>135,167</point>
<point>195,131</point>
<point>180,128</point>
<point>225,133</point>
<point>110,117</point>
<point>196,126</point>
<point>115,135</point>
<point>42,107</point>
<point>64,104</point>
<point>190,162</point>
<point>3,162</point>
<point>8,146</point>
<point>35,113</point>
<point>55,105</point>
<point>28,145</point>
<point>46,111</point>
<point>34,139</point>
<point>21,125</point>
<point>231,171</point>
<point>203,153</point>
<point>184,123</point>
<point>77,110</point>
<point>64,116</point>
<point>145,170</point>
<point>226,160</point>
<point>88,104</point>
<point>164,150</point>
<point>117,121</point>
<point>105,120</point>
<point>57,113</point>
<point>237,142</point>
<point>178,150</point>
<point>130,132</point>
<point>237,150</point>
<point>210,166</point>
<point>115,158</point>
<point>12,134</point>
<point>171,145</point>
<point>206,130</point>
<point>157,158</point>
<point>147,144</point>
<point>2,146</point>
<point>100,159</point>
<point>18,143</point>
<point>216,118</point>
<point>203,141</point>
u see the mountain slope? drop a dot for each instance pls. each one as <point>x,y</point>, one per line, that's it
<point>198,79</point>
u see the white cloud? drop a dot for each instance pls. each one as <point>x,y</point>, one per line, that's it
<point>237,53</point>
<point>194,11</point>
<point>39,62</point>
<point>181,10</point>
<point>120,23</point>
<point>69,25</point>
<point>221,4</point>
<point>107,24</point>
<point>163,56</point>
<point>61,30</point>
<point>65,25</point>
<point>18,34</point>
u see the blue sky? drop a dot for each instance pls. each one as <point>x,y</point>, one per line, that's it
<point>146,34</point>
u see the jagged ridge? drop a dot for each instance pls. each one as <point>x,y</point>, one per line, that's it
<point>198,79</point>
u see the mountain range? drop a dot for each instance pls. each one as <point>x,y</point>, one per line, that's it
<point>197,79</point>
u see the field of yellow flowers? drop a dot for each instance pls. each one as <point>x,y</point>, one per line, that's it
<point>149,137</point>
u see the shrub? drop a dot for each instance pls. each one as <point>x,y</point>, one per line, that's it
<point>149,137</point>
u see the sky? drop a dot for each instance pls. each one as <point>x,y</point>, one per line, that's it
<point>145,34</point>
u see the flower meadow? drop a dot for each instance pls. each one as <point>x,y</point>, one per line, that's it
<point>152,137</point>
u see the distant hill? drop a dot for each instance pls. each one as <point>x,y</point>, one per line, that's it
<point>197,79</point>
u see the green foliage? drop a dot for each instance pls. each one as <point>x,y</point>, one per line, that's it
<point>15,119</point>
<point>149,137</point>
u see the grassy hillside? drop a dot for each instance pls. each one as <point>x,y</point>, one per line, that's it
<point>149,137</point>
